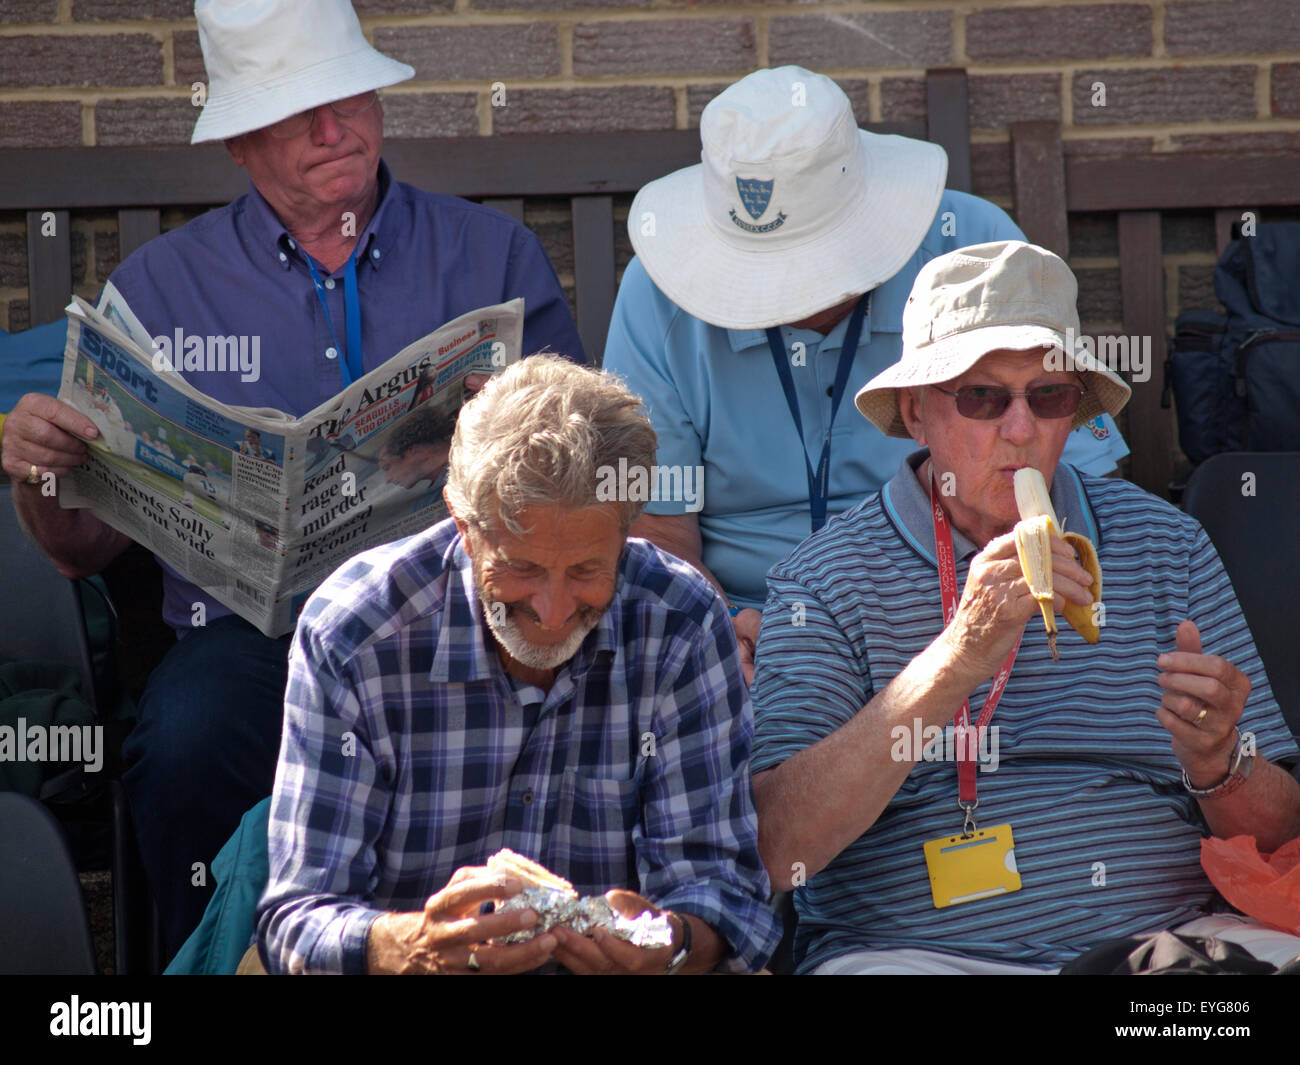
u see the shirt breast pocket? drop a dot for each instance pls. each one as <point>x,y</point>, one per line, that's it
<point>594,821</point>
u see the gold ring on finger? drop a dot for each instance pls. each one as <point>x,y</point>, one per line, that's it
<point>473,962</point>
<point>33,476</point>
<point>1200,717</point>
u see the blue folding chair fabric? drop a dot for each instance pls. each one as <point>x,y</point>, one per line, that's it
<point>31,361</point>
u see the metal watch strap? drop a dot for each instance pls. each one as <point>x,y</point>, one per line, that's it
<point>679,959</point>
<point>1238,774</point>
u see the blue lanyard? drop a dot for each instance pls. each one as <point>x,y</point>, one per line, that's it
<point>349,358</point>
<point>819,481</point>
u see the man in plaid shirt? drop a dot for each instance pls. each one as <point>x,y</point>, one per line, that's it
<point>521,675</point>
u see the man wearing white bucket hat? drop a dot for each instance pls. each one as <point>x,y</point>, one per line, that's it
<point>1100,772</point>
<point>736,322</point>
<point>335,266</point>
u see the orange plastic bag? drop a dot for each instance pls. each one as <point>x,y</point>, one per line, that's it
<point>1265,887</point>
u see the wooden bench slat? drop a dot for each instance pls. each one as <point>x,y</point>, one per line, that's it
<point>1224,219</point>
<point>1182,180</point>
<point>49,266</point>
<point>948,121</point>
<point>1142,284</point>
<point>593,270</point>
<point>40,178</point>
<point>1038,177</point>
<point>542,165</point>
<point>136,226</point>
<point>511,205</point>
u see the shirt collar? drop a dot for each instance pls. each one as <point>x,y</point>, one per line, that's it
<point>908,505</point>
<point>465,648</point>
<point>379,235</point>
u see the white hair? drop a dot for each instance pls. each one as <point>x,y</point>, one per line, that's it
<point>537,435</point>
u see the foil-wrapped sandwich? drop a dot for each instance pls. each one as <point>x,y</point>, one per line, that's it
<point>557,903</point>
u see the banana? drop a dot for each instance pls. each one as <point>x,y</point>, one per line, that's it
<point>1034,547</point>
<point>1034,534</point>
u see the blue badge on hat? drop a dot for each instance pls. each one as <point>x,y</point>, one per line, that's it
<point>755,195</point>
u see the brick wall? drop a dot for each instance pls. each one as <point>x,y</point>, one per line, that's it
<point>1178,74</point>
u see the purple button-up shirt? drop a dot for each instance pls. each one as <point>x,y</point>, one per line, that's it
<point>422,260</point>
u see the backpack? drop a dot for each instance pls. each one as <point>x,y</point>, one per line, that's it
<point>1236,376</point>
<point>1171,954</point>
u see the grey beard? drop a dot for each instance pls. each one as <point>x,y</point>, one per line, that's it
<point>537,656</point>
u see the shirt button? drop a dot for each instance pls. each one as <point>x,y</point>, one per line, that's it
<point>830,390</point>
<point>292,244</point>
<point>527,797</point>
<point>329,282</point>
<point>331,353</point>
<point>283,258</point>
<point>374,253</point>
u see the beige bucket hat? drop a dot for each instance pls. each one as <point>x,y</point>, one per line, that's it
<point>1003,295</point>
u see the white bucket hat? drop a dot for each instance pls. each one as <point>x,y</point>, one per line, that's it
<point>988,297</point>
<point>269,59</point>
<point>793,209</point>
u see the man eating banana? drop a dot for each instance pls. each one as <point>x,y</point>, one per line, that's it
<point>897,636</point>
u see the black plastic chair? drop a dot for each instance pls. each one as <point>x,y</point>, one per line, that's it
<point>43,924</point>
<point>45,623</point>
<point>43,620</point>
<point>1249,503</point>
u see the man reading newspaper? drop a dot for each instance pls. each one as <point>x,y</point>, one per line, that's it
<point>334,266</point>
<point>343,477</point>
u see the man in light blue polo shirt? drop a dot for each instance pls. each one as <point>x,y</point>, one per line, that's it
<point>793,214</point>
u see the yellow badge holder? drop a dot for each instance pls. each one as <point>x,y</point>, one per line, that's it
<point>966,868</point>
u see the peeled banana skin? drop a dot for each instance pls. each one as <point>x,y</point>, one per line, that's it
<point>1034,534</point>
<point>1083,619</point>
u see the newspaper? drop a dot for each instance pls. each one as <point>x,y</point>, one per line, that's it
<point>255,506</point>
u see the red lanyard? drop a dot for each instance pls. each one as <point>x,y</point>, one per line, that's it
<point>948,588</point>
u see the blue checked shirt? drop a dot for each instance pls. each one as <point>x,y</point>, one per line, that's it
<point>409,752</point>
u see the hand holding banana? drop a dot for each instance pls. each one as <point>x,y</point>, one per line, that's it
<point>1034,534</point>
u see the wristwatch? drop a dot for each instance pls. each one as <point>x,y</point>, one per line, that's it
<point>1238,774</point>
<point>679,959</point>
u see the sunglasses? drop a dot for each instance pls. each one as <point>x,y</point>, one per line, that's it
<point>986,402</point>
<point>349,107</point>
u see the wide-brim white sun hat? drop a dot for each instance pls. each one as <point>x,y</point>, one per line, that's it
<point>792,210</point>
<point>269,59</point>
<point>1005,295</point>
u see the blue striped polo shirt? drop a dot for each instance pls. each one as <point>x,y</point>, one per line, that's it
<point>1107,840</point>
